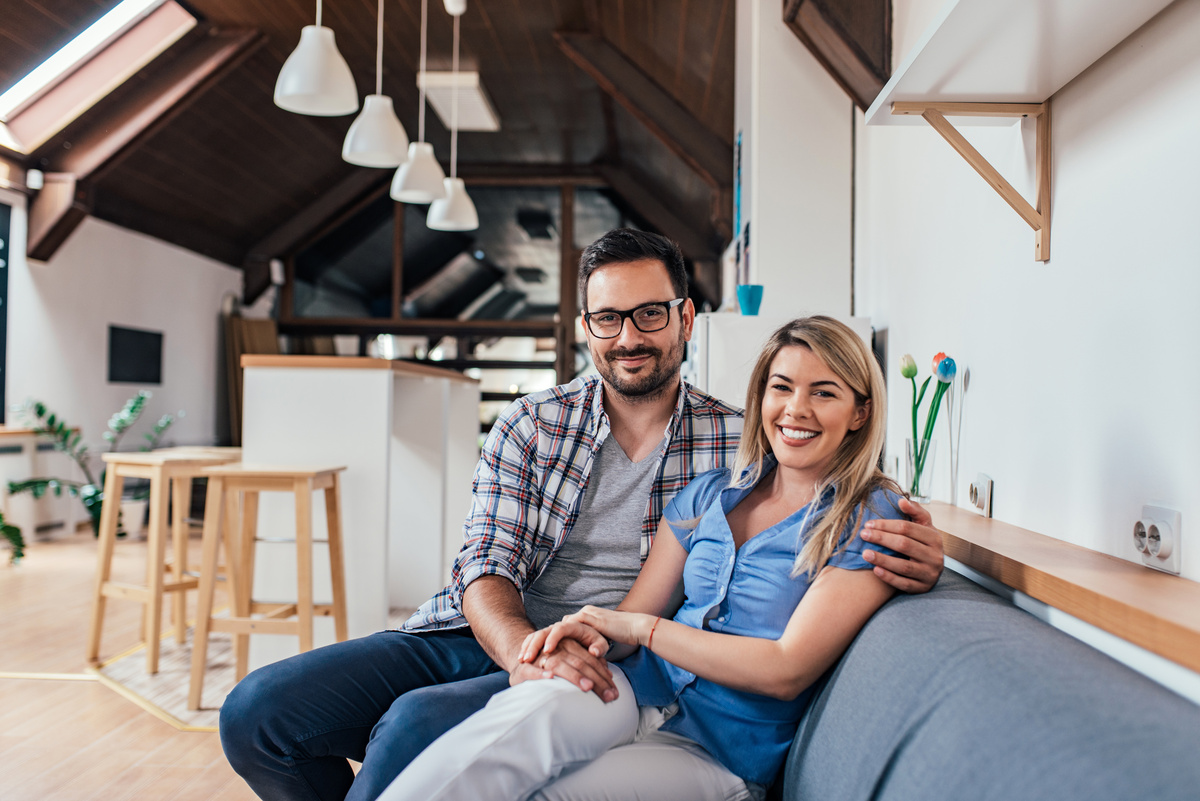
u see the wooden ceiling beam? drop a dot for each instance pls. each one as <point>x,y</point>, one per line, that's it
<point>695,244</point>
<point>100,139</point>
<point>851,38</point>
<point>12,172</point>
<point>688,138</point>
<point>117,128</point>
<point>54,212</point>
<point>477,174</point>
<point>357,185</point>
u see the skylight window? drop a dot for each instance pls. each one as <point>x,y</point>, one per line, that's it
<point>90,66</point>
<point>74,53</point>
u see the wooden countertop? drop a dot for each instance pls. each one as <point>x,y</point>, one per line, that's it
<point>13,431</point>
<point>1158,611</point>
<point>354,363</point>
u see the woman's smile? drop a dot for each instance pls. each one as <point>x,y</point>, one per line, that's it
<point>807,411</point>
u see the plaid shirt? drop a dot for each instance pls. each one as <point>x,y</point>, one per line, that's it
<point>530,480</point>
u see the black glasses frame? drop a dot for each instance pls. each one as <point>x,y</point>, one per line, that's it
<point>628,315</point>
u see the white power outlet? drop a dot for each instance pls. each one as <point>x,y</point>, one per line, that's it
<point>980,494</point>
<point>1157,536</point>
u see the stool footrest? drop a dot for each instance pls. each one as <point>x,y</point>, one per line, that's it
<point>182,584</point>
<point>130,592</point>
<point>254,625</point>
<point>274,612</point>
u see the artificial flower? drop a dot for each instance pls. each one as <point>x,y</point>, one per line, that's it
<point>945,370</point>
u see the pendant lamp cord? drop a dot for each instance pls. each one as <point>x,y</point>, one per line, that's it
<point>318,13</point>
<point>454,113</point>
<point>379,53</point>
<point>424,32</point>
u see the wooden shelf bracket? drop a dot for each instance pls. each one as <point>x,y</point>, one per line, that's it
<point>1038,218</point>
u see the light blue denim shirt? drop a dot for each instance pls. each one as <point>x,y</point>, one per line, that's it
<point>749,592</point>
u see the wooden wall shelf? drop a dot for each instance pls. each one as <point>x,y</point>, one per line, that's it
<point>1017,51</point>
<point>1157,611</point>
<point>987,62</point>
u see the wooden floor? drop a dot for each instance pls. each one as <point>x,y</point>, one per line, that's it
<point>63,736</point>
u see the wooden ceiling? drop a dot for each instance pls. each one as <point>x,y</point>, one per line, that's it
<point>225,173</point>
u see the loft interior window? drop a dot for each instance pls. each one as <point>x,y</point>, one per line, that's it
<point>87,68</point>
<point>73,54</point>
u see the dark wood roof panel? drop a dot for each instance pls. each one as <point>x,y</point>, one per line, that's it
<point>32,32</point>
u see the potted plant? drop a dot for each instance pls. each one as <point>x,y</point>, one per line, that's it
<point>69,440</point>
<point>12,535</point>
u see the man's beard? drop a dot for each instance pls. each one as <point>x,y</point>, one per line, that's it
<point>652,380</point>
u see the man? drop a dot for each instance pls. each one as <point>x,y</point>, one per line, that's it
<point>566,497</point>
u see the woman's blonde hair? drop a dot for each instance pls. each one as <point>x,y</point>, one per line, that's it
<point>853,472</point>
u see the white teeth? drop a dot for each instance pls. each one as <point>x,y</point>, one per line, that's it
<point>795,433</point>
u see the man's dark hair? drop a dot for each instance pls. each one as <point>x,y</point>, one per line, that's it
<point>622,245</point>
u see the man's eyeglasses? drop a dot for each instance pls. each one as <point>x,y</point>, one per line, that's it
<point>647,318</point>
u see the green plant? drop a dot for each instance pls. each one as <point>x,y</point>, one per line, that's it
<point>15,540</point>
<point>69,440</point>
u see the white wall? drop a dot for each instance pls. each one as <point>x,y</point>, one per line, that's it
<point>796,167</point>
<point>58,318</point>
<point>1084,370</point>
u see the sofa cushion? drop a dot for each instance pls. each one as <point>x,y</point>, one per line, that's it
<point>957,694</point>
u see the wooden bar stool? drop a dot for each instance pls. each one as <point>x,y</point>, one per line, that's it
<point>227,484</point>
<point>169,471</point>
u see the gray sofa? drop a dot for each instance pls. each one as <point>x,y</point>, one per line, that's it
<point>958,694</point>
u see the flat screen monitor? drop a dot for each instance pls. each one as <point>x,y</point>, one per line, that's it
<point>134,357</point>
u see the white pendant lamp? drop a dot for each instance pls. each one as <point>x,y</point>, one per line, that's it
<point>455,212</point>
<point>420,178</point>
<point>315,79</point>
<point>376,138</point>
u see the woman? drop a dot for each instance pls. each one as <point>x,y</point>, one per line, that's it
<point>758,569</point>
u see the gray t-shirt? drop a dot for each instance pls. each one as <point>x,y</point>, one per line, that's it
<point>602,555</point>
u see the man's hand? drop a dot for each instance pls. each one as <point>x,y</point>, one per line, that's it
<point>570,628</point>
<point>918,540</point>
<point>493,607</point>
<point>569,660</point>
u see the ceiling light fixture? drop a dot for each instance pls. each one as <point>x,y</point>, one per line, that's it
<point>420,179</point>
<point>376,138</point>
<point>315,79</point>
<point>475,110</point>
<point>455,212</point>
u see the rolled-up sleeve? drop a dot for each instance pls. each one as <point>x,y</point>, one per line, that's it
<point>500,532</point>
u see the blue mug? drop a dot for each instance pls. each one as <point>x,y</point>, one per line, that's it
<point>749,298</point>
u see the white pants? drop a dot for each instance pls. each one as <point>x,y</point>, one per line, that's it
<point>547,740</point>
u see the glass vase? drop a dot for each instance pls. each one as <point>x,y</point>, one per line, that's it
<point>918,468</point>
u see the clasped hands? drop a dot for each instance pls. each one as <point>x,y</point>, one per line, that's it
<point>575,647</point>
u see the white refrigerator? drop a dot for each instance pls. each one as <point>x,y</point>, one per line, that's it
<point>725,346</point>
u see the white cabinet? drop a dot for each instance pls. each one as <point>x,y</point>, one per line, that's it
<point>408,437</point>
<point>23,455</point>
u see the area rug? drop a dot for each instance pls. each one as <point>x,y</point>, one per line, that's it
<point>165,693</point>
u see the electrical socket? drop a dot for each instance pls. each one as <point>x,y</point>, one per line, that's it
<point>980,494</point>
<point>1156,536</point>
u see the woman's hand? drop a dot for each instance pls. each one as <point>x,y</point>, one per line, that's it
<point>577,657</point>
<point>626,627</point>
<point>569,628</point>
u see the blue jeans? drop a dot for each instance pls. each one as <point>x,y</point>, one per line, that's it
<point>288,728</point>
